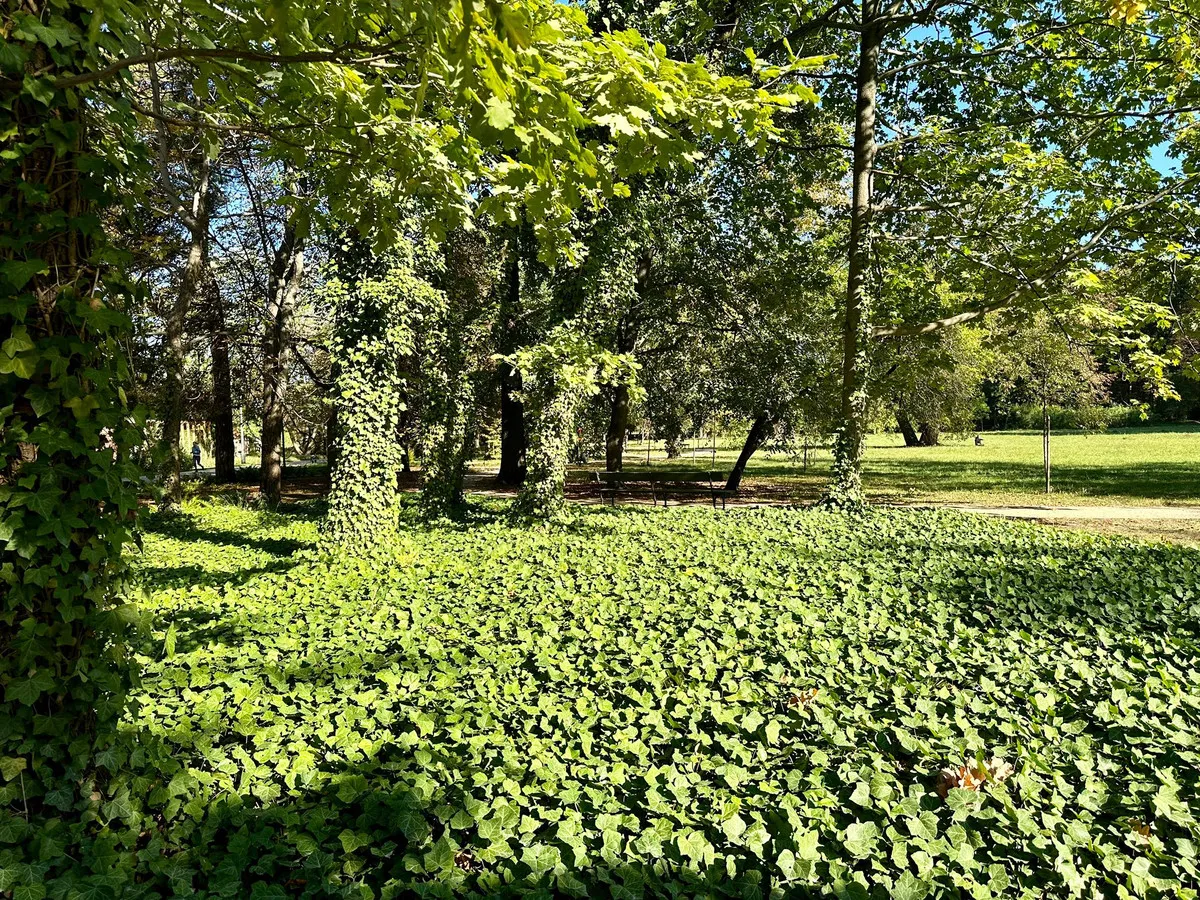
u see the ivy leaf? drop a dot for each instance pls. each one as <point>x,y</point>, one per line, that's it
<point>27,690</point>
<point>860,839</point>
<point>18,272</point>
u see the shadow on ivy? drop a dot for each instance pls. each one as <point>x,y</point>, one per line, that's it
<point>170,577</point>
<point>184,529</point>
<point>402,825</point>
<point>398,819</point>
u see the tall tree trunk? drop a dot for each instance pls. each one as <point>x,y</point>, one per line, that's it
<point>627,335</point>
<point>618,427</point>
<point>195,277</point>
<point>222,413</point>
<point>931,434</point>
<point>332,447</point>
<point>754,441</point>
<point>70,511</point>
<point>850,444</point>
<point>287,271</point>
<point>514,442</point>
<point>1046,442</point>
<point>911,439</point>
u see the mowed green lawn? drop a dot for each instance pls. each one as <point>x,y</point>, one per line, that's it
<point>1150,466</point>
<point>639,703</point>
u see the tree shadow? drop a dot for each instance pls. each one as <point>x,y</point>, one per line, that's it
<point>172,577</point>
<point>414,809</point>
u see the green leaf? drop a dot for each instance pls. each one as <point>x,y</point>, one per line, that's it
<point>18,272</point>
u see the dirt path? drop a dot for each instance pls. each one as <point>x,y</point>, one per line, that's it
<point>1078,513</point>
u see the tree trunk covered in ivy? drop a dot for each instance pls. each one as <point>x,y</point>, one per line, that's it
<point>375,318</point>
<point>513,439</point>
<point>454,337</point>
<point>448,418</point>
<point>618,420</point>
<point>287,272</point>
<point>846,489</point>
<point>759,432</point>
<point>222,408</point>
<point>195,279</point>
<point>67,496</point>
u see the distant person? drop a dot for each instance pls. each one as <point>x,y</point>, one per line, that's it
<point>978,440</point>
<point>195,456</point>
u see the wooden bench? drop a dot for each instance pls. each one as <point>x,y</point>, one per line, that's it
<point>661,485</point>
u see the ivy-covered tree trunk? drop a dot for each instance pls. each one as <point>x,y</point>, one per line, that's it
<point>850,443</point>
<point>618,420</point>
<point>543,494</point>
<point>195,277</point>
<point>67,496</point>
<point>374,333</point>
<point>287,272</point>
<point>754,441</point>
<point>447,436</point>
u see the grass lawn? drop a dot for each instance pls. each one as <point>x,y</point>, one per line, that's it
<point>1143,466</point>
<point>642,704</point>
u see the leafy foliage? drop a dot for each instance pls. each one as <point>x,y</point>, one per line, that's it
<point>556,377</point>
<point>757,703</point>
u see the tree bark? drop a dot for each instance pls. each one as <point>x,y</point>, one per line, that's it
<point>911,439</point>
<point>222,412</point>
<point>850,444</point>
<point>618,427</point>
<point>754,440</point>
<point>1046,443</point>
<point>514,442</point>
<point>287,271</point>
<point>931,434</point>
<point>195,276</point>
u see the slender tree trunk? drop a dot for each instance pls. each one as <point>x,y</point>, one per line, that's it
<point>931,434</point>
<point>287,271</point>
<point>222,414</point>
<point>911,439</point>
<point>1046,442</point>
<point>331,434</point>
<point>514,442</point>
<point>754,441</point>
<point>191,284</point>
<point>850,444</point>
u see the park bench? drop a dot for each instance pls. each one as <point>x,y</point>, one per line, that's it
<point>661,485</point>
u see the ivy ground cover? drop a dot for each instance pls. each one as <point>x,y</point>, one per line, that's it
<point>639,703</point>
